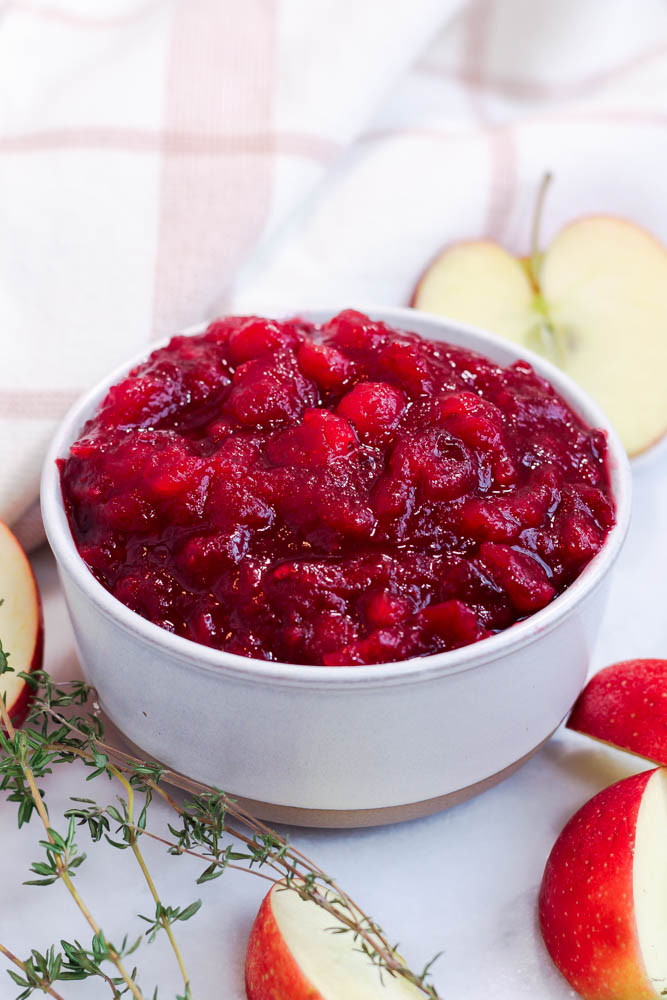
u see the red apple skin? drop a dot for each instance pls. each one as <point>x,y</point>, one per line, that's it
<point>586,906</point>
<point>19,709</point>
<point>271,972</point>
<point>625,705</point>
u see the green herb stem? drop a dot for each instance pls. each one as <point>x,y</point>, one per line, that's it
<point>203,832</point>
<point>355,919</point>
<point>43,986</point>
<point>43,815</point>
<point>134,832</point>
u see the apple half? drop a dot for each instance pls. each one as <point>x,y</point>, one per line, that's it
<point>603,900</point>
<point>293,954</point>
<point>595,303</point>
<point>21,627</point>
<point>625,705</point>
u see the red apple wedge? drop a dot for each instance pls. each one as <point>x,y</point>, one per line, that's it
<point>594,303</point>
<point>603,901</point>
<point>625,705</point>
<point>21,629</point>
<point>294,955</point>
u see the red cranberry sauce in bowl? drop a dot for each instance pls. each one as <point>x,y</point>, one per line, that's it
<point>343,494</point>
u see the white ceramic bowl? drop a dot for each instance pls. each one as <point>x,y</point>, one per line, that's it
<point>331,745</point>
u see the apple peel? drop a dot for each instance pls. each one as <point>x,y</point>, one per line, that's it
<point>603,900</point>
<point>21,624</point>
<point>625,706</point>
<point>293,954</point>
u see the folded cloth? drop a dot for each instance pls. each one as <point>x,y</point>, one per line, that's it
<point>162,162</point>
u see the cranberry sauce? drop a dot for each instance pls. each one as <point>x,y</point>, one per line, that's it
<point>342,495</point>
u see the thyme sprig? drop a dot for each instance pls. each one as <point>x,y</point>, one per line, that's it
<point>39,971</point>
<point>63,726</point>
<point>19,769</point>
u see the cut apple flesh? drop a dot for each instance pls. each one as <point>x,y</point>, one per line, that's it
<point>605,282</point>
<point>332,962</point>
<point>294,954</point>
<point>482,284</point>
<point>600,314</point>
<point>650,880</point>
<point>20,621</point>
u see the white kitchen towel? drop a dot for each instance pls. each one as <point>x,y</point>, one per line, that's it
<point>164,161</point>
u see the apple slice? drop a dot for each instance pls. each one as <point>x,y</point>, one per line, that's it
<point>625,705</point>
<point>480,283</point>
<point>293,954</point>
<point>603,901</point>
<point>21,628</point>
<point>594,304</point>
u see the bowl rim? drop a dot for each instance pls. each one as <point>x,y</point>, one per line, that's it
<point>248,669</point>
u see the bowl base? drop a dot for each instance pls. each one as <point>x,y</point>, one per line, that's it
<point>341,819</point>
<point>355,818</point>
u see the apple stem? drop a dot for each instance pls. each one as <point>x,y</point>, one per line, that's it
<point>552,342</point>
<point>535,253</point>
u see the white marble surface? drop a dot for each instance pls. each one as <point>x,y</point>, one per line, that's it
<point>463,882</point>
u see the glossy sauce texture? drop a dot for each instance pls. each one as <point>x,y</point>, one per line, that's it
<point>342,495</point>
